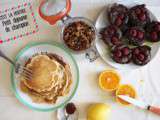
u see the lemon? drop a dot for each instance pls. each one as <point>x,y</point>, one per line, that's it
<point>98,111</point>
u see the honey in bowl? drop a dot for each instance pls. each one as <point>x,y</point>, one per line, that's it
<point>109,80</point>
<point>127,90</point>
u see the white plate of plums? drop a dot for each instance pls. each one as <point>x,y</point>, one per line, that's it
<point>129,35</point>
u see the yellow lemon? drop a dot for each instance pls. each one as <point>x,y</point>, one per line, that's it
<point>98,111</point>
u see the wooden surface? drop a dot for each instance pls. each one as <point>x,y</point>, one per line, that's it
<point>146,80</point>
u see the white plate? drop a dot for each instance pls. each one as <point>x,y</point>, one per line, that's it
<point>102,48</point>
<point>27,53</point>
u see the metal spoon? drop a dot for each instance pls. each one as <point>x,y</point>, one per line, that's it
<point>73,116</point>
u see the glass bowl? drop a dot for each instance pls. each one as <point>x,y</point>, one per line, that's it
<point>69,20</point>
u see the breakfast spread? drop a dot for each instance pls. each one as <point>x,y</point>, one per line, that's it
<point>78,35</point>
<point>52,84</point>
<point>51,78</point>
<point>129,30</point>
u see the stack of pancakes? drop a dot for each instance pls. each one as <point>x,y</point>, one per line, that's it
<point>51,78</point>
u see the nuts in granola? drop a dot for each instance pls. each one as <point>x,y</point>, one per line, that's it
<point>79,36</point>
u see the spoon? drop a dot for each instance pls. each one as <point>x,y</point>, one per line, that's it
<point>66,115</point>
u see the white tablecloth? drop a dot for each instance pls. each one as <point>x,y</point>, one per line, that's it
<point>146,80</point>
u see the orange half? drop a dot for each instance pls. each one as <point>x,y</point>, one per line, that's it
<point>109,80</point>
<point>127,90</point>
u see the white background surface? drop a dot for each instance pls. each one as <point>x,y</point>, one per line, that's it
<point>88,91</point>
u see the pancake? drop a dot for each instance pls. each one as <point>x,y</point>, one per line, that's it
<point>51,79</point>
<point>43,69</point>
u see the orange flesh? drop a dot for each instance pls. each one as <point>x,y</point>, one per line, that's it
<point>109,80</point>
<point>125,90</point>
